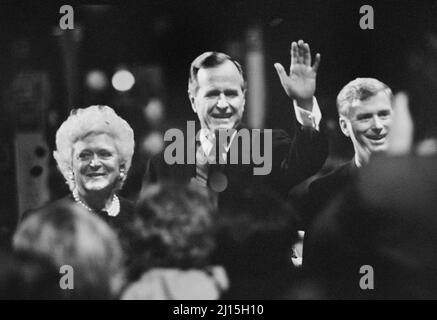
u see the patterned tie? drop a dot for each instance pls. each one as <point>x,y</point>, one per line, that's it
<point>205,164</point>
<point>202,167</point>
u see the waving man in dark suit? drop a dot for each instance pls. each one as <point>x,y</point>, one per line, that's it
<point>216,89</point>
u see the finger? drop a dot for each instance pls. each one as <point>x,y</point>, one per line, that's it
<point>301,53</point>
<point>317,62</point>
<point>281,72</point>
<point>307,57</point>
<point>427,147</point>
<point>293,53</point>
<point>400,137</point>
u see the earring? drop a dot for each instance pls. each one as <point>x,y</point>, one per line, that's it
<point>70,180</point>
<point>122,175</point>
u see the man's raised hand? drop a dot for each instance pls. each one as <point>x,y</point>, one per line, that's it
<point>400,137</point>
<point>300,84</point>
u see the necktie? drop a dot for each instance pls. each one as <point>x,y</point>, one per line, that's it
<point>208,170</point>
<point>202,167</point>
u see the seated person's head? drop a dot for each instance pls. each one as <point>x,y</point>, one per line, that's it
<point>27,276</point>
<point>69,235</point>
<point>365,111</point>
<point>173,227</point>
<point>255,233</point>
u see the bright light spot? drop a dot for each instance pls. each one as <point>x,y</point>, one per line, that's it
<point>153,143</point>
<point>154,111</point>
<point>123,80</point>
<point>96,80</point>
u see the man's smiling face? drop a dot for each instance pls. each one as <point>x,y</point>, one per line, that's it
<point>219,98</point>
<point>368,124</point>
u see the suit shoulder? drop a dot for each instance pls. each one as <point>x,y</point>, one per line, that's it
<point>335,178</point>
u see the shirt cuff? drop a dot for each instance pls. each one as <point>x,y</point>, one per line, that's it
<point>306,118</point>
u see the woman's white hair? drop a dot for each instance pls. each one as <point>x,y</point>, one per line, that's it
<point>81,123</point>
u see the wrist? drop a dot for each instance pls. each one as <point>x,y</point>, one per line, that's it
<point>306,104</point>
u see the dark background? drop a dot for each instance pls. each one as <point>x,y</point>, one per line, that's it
<point>171,33</point>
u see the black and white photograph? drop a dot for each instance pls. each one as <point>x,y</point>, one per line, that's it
<point>194,151</point>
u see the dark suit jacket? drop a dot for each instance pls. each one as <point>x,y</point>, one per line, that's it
<point>386,219</point>
<point>292,162</point>
<point>322,190</point>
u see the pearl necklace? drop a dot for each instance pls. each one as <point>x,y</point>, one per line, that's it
<point>113,210</point>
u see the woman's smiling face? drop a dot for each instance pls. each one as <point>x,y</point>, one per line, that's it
<point>96,163</point>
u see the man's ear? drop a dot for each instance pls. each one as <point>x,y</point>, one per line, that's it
<point>343,126</point>
<point>191,97</point>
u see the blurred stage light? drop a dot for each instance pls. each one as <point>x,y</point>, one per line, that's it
<point>96,80</point>
<point>153,143</point>
<point>123,80</point>
<point>154,111</point>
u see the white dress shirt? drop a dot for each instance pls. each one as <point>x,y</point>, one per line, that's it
<point>304,117</point>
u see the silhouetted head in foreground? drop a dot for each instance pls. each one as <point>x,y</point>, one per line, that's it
<point>255,233</point>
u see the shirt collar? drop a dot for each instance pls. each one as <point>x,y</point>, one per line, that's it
<point>207,140</point>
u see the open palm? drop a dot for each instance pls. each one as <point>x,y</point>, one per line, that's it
<point>300,84</point>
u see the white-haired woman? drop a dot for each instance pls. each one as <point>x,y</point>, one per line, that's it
<point>94,149</point>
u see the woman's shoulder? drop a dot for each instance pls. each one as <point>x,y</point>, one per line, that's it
<point>127,208</point>
<point>126,204</point>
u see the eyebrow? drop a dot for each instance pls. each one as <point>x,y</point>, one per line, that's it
<point>217,91</point>
<point>212,91</point>
<point>364,115</point>
<point>98,149</point>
